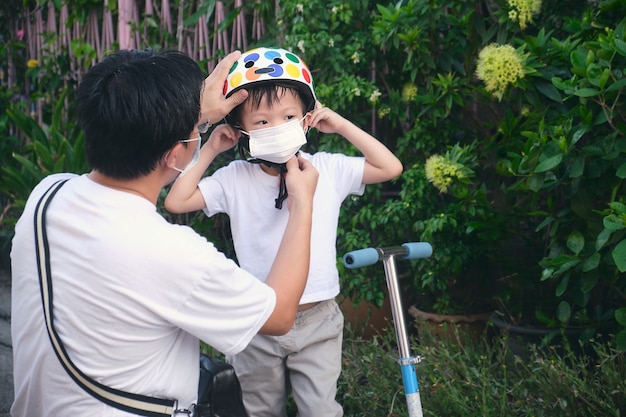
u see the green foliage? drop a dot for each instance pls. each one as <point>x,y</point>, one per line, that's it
<point>568,160</point>
<point>42,150</point>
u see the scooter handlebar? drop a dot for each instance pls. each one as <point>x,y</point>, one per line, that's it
<point>361,257</point>
<point>416,250</point>
<point>369,256</point>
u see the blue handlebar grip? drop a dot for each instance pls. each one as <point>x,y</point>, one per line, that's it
<point>417,250</point>
<point>361,257</point>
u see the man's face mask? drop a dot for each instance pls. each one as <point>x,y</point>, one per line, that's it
<point>194,158</point>
<point>277,143</point>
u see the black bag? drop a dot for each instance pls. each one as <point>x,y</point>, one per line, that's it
<point>219,392</point>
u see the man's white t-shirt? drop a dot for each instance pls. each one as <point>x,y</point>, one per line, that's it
<point>246,193</point>
<point>133,294</point>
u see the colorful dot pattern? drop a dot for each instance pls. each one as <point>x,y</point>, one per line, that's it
<point>262,64</point>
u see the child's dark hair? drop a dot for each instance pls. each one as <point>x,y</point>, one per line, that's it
<point>272,92</point>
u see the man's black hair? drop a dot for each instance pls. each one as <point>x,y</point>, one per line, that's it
<point>134,106</point>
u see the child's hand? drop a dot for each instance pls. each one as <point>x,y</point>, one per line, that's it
<point>222,138</point>
<point>325,120</point>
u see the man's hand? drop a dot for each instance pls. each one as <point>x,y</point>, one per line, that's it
<point>213,105</point>
<point>301,181</point>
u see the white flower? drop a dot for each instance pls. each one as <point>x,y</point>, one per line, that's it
<point>374,96</point>
<point>356,58</point>
<point>301,46</point>
<point>300,8</point>
<point>356,91</point>
<point>522,11</point>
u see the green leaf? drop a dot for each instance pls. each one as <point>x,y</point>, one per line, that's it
<point>549,163</point>
<point>613,222</point>
<point>544,318</point>
<point>620,340</point>
<point>591,56</point>
<point>591,263</point>
<point>549,91</point>
<point>620,46</point>
<point>563,311</point>
<point>586,92</point>
<point>618,85</point>
<point>578,134</point>
<point>604,77</point>
<point>578,58</point>
<point>620,316</point>
<point>618,207</point>
<point>535,182</point>
<point>621,171</point>
<point>594,72</point>
<point>568,265</point>
<point>619,256</point>
<point>546,274</point>
<point>558,83</point>
<point>576,242</point>
<point>562,287</point>
<point>589,282</point>
<point>603,237</point>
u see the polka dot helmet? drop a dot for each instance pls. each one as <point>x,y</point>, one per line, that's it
<point>268,64</point>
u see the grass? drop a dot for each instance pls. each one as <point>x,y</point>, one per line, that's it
<point>480,377</point>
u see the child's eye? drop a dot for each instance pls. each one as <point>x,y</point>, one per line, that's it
<point>261,122</point>
<point>289,117</point>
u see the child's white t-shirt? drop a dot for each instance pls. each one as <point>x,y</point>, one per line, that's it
<point>246,193</point>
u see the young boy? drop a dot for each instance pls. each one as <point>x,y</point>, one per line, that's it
<point>281,106</point>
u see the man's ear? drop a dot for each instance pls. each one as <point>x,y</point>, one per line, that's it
<point>170,156</point>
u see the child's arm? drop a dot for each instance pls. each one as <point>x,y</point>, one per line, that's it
<point>380,164</point>
<point>184,196</point>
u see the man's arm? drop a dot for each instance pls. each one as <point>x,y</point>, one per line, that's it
<point>290,269</point>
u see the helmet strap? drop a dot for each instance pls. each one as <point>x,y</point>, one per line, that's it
<point>282,170</point>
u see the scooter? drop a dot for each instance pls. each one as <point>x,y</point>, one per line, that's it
<point>369,256</point>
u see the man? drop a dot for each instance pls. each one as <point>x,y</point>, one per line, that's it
<point>133,294</point>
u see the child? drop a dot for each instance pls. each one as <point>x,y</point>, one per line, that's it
<point>281,106</point>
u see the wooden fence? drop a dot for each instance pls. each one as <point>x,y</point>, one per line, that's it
<point>199,28</point>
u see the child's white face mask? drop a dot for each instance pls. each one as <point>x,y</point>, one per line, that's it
<point>277,144</point>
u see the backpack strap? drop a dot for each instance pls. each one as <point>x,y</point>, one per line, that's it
<point>132,403</point>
